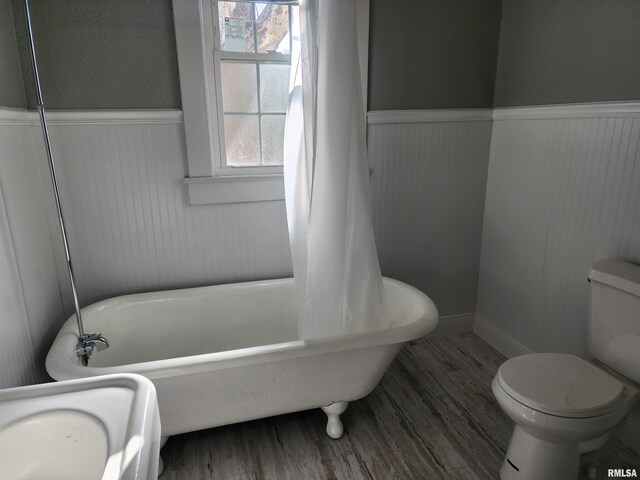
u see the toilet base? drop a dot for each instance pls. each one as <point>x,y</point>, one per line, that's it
<point>530,458</point>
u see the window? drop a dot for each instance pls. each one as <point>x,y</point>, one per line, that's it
<point>234,59</point>
<point>252,60</point>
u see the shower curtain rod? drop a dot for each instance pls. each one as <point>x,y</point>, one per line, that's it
<point>87,343</point>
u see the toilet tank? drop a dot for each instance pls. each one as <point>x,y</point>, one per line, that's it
<point>614,323</point>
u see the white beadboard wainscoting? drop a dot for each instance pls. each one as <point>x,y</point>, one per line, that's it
<point>428,183</point>
<point>563,191</point>
<point>30,300</point>
<point>131,227</point>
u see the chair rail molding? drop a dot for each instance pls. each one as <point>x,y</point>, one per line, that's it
<point>570,110</point>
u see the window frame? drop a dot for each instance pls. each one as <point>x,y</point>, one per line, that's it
<point>208,179</point>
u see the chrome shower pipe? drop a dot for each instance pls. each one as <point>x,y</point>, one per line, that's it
<point>87,343</point>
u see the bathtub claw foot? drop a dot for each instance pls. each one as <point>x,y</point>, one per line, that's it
<point>334,424</point>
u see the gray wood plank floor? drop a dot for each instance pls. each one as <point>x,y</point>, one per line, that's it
<point>433,416</point>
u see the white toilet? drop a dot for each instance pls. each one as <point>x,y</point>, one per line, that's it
<point>564,406</point>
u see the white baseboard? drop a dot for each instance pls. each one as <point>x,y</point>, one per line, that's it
<point>452,324</point>
<point>508,346</point>
<point>498,338</point>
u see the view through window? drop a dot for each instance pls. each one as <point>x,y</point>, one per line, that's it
<point>252,62</point>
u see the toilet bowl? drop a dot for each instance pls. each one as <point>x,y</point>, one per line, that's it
<point>562,407</point>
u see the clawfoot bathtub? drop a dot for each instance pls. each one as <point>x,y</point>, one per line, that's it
<point>230,353</point>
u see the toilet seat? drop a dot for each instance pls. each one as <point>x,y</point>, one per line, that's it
<point>560,384</point>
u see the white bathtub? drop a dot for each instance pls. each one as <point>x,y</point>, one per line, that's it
<point>229,353</point>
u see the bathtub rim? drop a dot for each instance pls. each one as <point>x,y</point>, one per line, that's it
<point>62,364</point>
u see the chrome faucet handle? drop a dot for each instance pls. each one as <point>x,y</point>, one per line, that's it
<point>88,343</point>
<point>100,343</point>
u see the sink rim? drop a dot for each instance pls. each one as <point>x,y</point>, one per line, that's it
<point>137,418</point>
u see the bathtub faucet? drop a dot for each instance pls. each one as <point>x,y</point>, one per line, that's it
<point>88,343</point>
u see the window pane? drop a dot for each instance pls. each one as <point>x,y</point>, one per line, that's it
<point>242,138</point>
<point>274,87</point>
<point>272,28</point>
<point>236,26</point>
<point>272,139</point>
<point>239,87</point>
<point>295,23</point>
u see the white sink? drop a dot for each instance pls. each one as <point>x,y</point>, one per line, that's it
<point>100,428</point>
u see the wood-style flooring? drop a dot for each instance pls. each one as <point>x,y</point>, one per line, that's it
<point>433,416</point>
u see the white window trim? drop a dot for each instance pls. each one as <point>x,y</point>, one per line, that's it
<point>195,43</point>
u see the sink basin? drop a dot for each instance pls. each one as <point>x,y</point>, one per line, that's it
<point>100,428</point>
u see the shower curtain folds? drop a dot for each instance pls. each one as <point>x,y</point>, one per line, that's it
<point>336,269</point>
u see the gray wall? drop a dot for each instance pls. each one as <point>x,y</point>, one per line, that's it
<point>121,53</point>
<point>568,51</point>
<point>433,54</point>
<point>11,87</point>
<point>103,54</point>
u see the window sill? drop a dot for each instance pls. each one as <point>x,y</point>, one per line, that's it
<point>235,189</point>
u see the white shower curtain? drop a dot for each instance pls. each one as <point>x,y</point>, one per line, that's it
<point>336,269</point>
